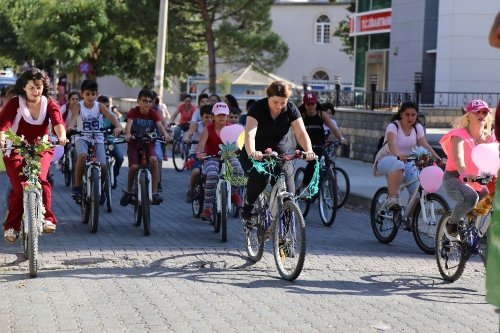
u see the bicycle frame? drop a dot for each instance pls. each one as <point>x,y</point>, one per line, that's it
<point>143,168</point>
<point>222,174</point>
<point>92,163</point>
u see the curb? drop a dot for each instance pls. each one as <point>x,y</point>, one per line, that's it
<point>359,200</point>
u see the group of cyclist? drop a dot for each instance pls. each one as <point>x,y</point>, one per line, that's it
<point>267,125</point>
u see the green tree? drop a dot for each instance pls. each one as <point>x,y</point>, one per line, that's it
<point>342,31</point>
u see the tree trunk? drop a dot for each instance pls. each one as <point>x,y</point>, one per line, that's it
<point>210,39</point>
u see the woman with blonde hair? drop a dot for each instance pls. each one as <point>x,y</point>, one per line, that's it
<point>473,128</point>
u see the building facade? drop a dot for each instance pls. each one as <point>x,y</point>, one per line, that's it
<point>442,43</point>
<point>314,53</point>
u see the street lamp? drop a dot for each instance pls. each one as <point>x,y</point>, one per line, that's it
<point>373,88</point>
<point>337,80</point>
<point>304,84</point>
<point>418,86</point>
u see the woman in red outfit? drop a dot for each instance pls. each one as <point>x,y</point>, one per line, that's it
<point>28,114</point>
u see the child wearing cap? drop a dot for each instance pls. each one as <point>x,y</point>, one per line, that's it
<point>473,128</point>
<point>209,145</point>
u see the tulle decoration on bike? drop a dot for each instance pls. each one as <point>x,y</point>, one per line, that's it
<point>483,207</point>
<point>32,166</point>
<point>228,152</point>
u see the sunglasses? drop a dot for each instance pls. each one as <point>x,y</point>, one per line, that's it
<point>483,112</point>
<point>147,101</point>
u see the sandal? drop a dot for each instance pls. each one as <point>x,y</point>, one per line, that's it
<point>48,227</point>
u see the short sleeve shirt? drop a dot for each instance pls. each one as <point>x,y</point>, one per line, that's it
<point>405,143</point>
<point>272,133</point>
<point>143,123</point>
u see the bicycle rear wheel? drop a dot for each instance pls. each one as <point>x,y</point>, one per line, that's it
<point>343,186</point>
<point>425,221</point>
<point>289,241</point>
<point>328,199</point>
<point>178,155</point>
<point>107,191</point>
<point>66,169</point>
<point>303,204</point>
<point>216,220</point>
<point>254,233</point>
<point>451,256</point>
<point>33,230</point>
<point>145,209</point>
<point>198,199</point>
<point>85,203</point>
<point>383,220</point>
<point>94,200</point>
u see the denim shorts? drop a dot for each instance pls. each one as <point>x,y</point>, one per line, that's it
<point>82,148</point>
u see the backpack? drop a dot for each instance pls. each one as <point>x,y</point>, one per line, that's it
<point>382,142</point>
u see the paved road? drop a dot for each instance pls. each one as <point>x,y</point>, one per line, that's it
<point>183,279</point>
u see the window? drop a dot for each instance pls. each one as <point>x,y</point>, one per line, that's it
<point>323,30</point>
<point>320,75</point>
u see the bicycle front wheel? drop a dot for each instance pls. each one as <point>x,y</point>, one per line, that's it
<point>145,209</point>
<point>299,186</point>
<point>107,191</point>
<point>383,220</point>
<point>33,230</point>
<point>94,200</point>
<point>289,241</point>
<point>343,186</point>
<point>425,221</point>
<point>198,199</point>
<point>178,155</point>
<point>254,232</point>
<point>451,255</point>
<point>328,199</point>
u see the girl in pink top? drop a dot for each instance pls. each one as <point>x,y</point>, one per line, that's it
<point>471,129</point>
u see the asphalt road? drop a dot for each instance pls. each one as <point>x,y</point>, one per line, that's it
<point>182,278</point>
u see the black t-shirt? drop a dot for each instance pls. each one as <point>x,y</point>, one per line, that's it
<point>272,133</point>
<point>314,127</point>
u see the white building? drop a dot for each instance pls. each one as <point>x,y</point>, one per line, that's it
<point>307,28</point>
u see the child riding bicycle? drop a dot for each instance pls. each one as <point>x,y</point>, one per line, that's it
<point>87,115</point>
<point>141,120</point>
<point>209,144</point>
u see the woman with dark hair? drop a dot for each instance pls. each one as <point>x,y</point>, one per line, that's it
<point>267,124</point>
<point>232,102</point>
<point>28,114</point>
<point>401,135</point>
<point>73,98</point>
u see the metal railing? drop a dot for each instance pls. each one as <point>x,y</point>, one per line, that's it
<point>388,100</point>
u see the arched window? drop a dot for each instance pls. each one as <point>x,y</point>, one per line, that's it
<point>323,30</point>
<point>321,75</point>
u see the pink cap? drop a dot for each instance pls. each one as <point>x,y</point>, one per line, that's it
<point>220,108</point>
<point>475,105</point>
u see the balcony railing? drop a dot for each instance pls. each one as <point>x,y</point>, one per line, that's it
<point>388,100</point>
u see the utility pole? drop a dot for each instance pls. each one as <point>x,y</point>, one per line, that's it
<point>161,47</point>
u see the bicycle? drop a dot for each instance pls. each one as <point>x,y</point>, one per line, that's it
<point>453,253</point>
<point>328,197</point>
<point>32,222</point>
<point>142,188</point>
<point>180,152</point>
<point>421,215</point>
<point>91,182</point>
<point>109,182</point>
<point>68,164</point>
<point>275,214</point>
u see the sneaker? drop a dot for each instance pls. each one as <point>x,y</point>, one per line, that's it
<point>246,216</point>
<point>126,199</point>
<point>189,197</point>
<point>452,231</point>
<point>236,199</point>
<point>206,215</point>
<point>10,235</point>
<point>102,199</point>
<point>159,189</point>
<point>77,194</point>
<point>165,156</point>
<point>156,199</point>
<point>393,204</point>
<point>48,227</point>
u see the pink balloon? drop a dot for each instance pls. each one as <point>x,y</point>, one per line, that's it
<point>485,156</point>
<point>431,178</point>
<point>58,153</point>
<point>231,133</point>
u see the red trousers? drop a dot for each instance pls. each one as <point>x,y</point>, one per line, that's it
<point>13,166</point>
